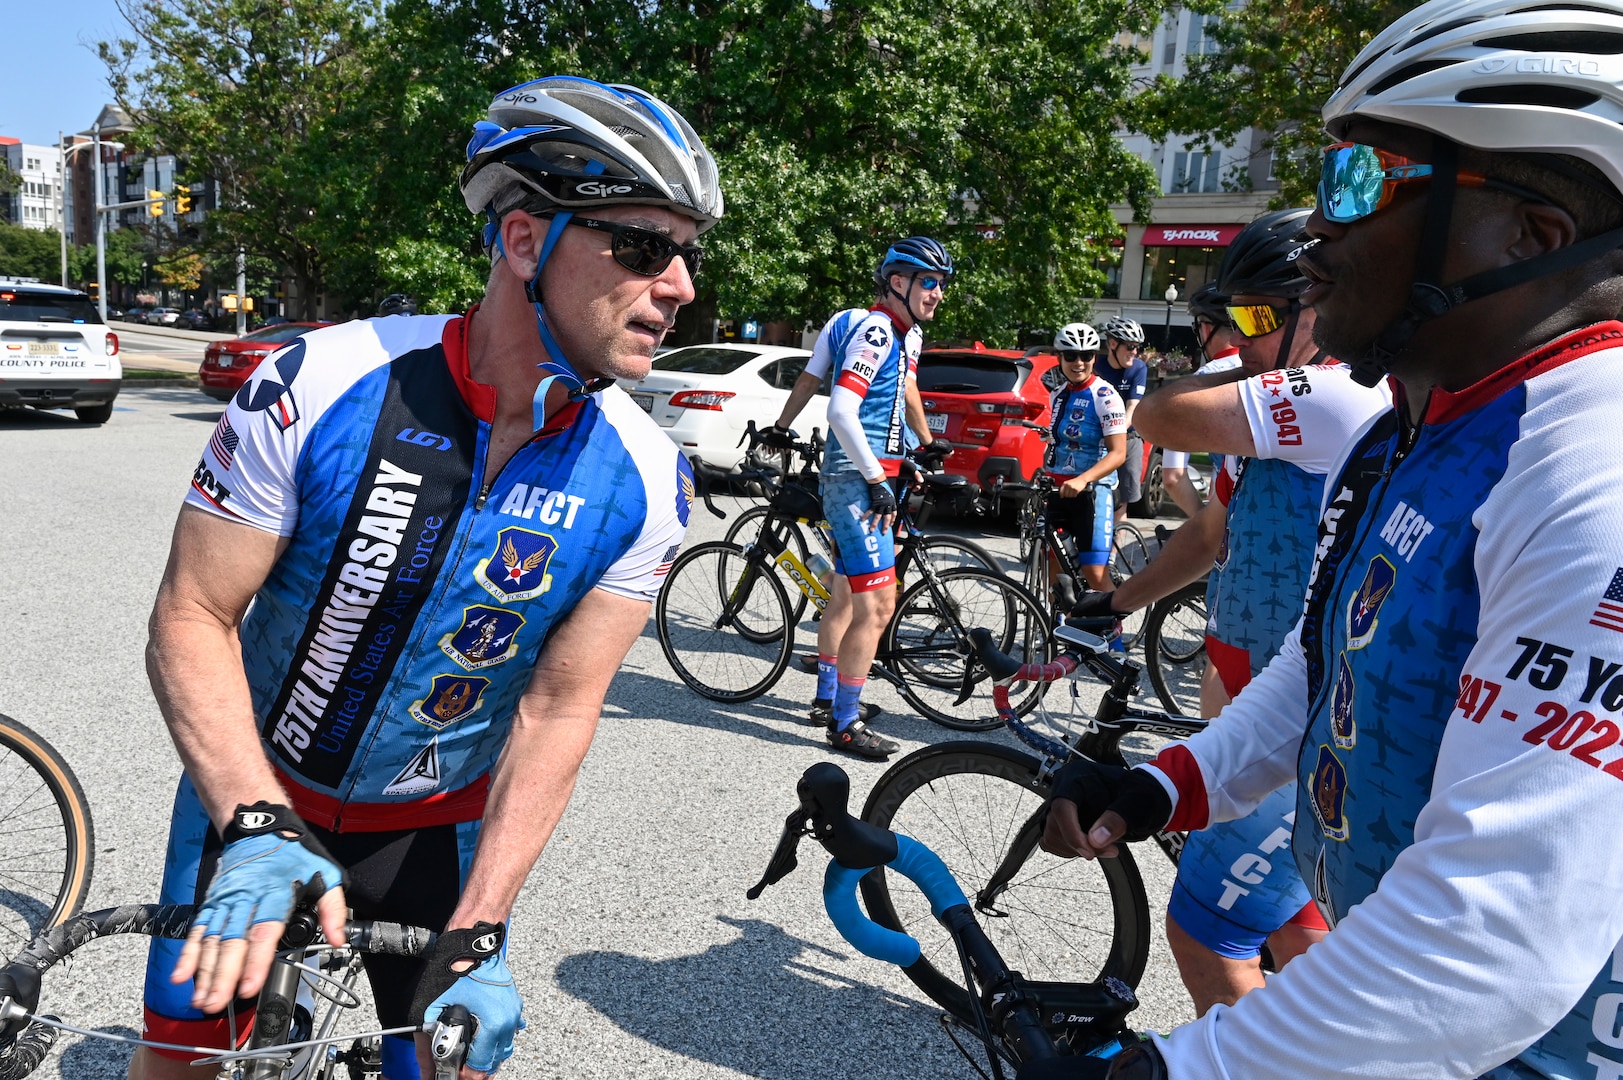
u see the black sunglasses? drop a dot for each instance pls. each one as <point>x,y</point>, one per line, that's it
<point>643,251</point>
<point>1077,357</point>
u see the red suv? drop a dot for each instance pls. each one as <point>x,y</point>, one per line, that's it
<point>982,400</point>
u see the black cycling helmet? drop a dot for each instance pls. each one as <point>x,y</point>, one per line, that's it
<point>1209,303</point>
<point>916,254</point>
<point>1262,259</point>
<point>397,304</point>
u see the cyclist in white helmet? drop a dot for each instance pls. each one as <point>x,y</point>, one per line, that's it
<point>1088,433</point>
<point>1130,376</point>
<point>413,557</point>
<point>1450,701</point>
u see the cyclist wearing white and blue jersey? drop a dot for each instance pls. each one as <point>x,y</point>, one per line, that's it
<point>1088,433</point>
<point>414,554</point>
<point>1450,701</point>
<point>873,354</point>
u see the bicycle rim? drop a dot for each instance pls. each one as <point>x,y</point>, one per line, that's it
<point>50,851</point>
<point>926,644</point>
<point>708,592</point>
<point>746,530</point>
<point>1175,649</point>
<point>1065,920</point>
<point>954,553</point>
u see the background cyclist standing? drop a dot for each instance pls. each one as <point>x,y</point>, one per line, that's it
<point>1445,704</point>
<point>1127,373</point>
<point>414,555</point>
<point>874,355</point>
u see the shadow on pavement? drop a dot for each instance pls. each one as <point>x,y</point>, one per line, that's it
<point>207,417</point>
<point>38,420</point>
<point>646,695</point>
<point>98,1059</point>
<point>759,1005</point>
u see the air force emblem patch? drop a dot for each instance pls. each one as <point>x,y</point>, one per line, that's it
<point>486,637</point>
<point>450,698</point>
<point>1365,605</point>
<point>518,570</point>
<point>684,489</point>
<point>270,389</point>
<point>1330,794</point>
<point>421,774</point>
<point>1343,728</point>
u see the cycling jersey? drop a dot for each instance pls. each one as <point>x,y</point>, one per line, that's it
<point>867,408</point>
<point>1129,382</point>
<point>387,649</point>
<point>1451,705</point>
<point>1084,414</point>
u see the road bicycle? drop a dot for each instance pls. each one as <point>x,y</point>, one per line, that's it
<point>1175,648</point>
<point>294,1032</point>
<point>727,627</point>
<point>1016,1019</point>
<point>980,806</point>
<point>50,845</point>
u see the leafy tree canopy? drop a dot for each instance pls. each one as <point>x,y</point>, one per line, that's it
<point>1274,67</point>
<point>35,253</point>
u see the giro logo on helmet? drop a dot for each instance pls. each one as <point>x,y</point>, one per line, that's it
<point>1553,64</point>
<point>597,190</point>
<point>517,96</point>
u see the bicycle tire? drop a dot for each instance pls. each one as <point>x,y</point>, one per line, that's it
<point>954,552</point>
<point>746,530</point>
<point>45,880</point>
<point>927,648</point>
<point>701,639</point>
<point>1175,648</point>
<point>1062,920</point>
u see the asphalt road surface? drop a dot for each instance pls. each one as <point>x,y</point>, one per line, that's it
<point>633,944</point>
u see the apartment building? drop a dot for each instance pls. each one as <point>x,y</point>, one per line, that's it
<point>41,200</point>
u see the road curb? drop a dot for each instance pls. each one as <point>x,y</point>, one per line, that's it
<point>167,331</point>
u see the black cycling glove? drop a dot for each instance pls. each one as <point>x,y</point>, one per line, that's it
<point>1139,1061</point>
<point>935,453</point>
<point>779,437</point>
<point>881,499</point>
<point>1133,793</point>
<point>1096,605</point>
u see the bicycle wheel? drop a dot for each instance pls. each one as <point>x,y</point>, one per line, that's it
<point>707,594</point>
<point>746,530</point>
<point>1175,648</point>
<point>975,805</point>
<point>927,645</point>
<point>50,849</point>
<point>1027,526</point>
<point>953,552</point>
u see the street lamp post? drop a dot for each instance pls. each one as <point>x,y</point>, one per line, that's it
<point>101,227</point>
<point>1166,331</point>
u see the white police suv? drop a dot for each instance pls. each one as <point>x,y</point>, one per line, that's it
<point>55,352</point>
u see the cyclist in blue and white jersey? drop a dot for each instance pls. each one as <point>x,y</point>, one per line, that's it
<point>1449,704</point>
<point>873,354</point>
<point>414,554</point>
<point>1126,371</point>
<point>1282,430</point>
<point>1089,443</point>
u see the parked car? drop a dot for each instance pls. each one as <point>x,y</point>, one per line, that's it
<point>134,313</point>
<point>163,316</point>
<point>55,352</point>
<point>227,364</point>
<point>195,319</point>
<point>982,400</point>
<point>705,395</point>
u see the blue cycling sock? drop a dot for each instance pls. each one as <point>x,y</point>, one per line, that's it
<point>827,675</point>
<point>846,696</point>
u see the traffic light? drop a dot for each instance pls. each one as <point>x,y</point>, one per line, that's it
<point>183,200</point>
<point>154,203</point>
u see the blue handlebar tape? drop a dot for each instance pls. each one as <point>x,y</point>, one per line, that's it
<point>913,861</point>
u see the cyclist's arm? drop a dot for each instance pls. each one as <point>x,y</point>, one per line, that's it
<point>1307,416</point>
<point>1186,558</point>
<point>915,413</point>
<point>799,394</point>
<point>1199,412</point>
<point>1115,456</point>
<point>552,729</point>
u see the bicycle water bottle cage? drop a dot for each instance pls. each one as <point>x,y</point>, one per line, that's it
<point>825,792</point>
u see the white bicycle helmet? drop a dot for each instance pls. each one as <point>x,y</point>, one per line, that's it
<point>1530,77</point>
<point>1077,337</point>
<point>1123,329</point>
<point>580,144</point>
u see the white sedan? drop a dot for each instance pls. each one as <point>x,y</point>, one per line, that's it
<point>705,395</point>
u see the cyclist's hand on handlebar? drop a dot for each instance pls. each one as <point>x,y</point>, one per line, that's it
<point>1140,1060</point>
<point>468,968</point>
<point>1093,805</point>
<point>934,454</point>
<point>1074,487</point>
<point>1096,605</point>
<point>779,437</point>
<point>881,506</point>
<point>270,864</point>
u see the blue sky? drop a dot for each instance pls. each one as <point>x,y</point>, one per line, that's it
<point>53,79</point>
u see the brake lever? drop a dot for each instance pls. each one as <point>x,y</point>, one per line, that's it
<point>448,1046</point>
<point>749,435</point>
<point>784,859</point>
<point>702,479</point>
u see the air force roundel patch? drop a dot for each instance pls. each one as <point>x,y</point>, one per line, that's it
<point>269,389</point>
<point>877,336</point>
<point>518,570</point>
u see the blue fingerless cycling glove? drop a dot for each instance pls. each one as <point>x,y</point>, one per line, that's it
<point>270,863</point>
<point>486,990</point>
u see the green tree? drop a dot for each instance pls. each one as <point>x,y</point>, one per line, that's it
<point>259,96</point>
<point>126,250</point>
<point>1274,67</point>
<point>35,253</point>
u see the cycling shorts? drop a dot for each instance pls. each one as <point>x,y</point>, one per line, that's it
<point>1129,478</point>
<point>1233,665</point>
<point>867,556</point>
<point>1088,519</point>
<point>1238,883</point>
<point>411,876</point>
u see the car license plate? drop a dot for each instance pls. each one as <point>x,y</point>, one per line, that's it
<point>43,348</point>
<point>644,401</point>
<point>937,422</point>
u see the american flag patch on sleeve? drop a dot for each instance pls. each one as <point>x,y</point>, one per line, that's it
<point>223,443</point>
<point>1609,612</point>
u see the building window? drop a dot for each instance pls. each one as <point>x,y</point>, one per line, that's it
<point>1201,40</point>
<point>1195,172</point>
<point>1186,267</point>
